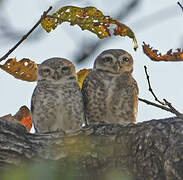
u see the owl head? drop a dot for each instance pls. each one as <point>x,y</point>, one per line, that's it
<point>56,69</point>
<point>115,61</point>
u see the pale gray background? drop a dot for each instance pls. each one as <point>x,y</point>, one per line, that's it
<point>159,23</point>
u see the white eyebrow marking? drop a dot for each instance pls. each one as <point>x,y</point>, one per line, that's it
<point>107,55</point>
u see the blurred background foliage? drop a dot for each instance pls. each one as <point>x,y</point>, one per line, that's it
<point>60,171</point>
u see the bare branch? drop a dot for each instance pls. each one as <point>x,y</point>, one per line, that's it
<point>163,103</point>
<point>150,88</point>
<point>180,5</point>
<point>25,36</point>
<point>172,110</point>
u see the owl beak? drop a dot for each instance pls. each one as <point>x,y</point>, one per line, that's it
<point>56,75</point>
<point>117,66</point>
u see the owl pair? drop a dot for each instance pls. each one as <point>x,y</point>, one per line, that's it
<point>109,93</point>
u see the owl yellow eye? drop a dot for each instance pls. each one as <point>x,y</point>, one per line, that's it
<point>125,59</point>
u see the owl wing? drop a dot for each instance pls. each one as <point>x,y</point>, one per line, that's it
<point>123,102</point>
<point>33,99</point>
<point>40,108</point>
<point>93,96</point>
<point>135,97</point>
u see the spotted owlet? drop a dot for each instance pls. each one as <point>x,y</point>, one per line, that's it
<point>109,91</point>
<point>57,102</point>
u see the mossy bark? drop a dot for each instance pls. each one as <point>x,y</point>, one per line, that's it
<point>148,150</point>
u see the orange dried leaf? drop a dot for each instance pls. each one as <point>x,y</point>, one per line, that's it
<point>89,18</point>
<point>169,56</point>
<point>27,122</point>
<point>24,69</point>
<point>81,75</point>
<point>23,116</point>
<point>9,117</point>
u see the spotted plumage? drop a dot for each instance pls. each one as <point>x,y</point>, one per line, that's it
<point>110,93</point>
<point>57,102</point>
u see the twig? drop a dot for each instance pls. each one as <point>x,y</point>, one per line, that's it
<point>172,108</point>
<point>161,107</point>
<point>150,88</point>
<point>180,5</point>
<point>25,36</point>
<point>163,103</point>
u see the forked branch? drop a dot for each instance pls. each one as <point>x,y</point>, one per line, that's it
<point>150,88</point>
<point>163,103</point>
<point>160,106</point>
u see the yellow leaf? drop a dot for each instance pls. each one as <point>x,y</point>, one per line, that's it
<point>24,69</point>
<point>81,75</point>
<point>89,18</point>
<point>47,24</point>
<point>123,30</point>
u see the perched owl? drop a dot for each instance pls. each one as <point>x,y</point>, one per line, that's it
<point>57,102</point>
<point>110,93</point>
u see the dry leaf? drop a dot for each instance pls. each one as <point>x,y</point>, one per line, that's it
<point>81,75</point>
<point>89,18</point>
<point>169,56</point>
<point>123,30</point>
<point>27,122</point>
<point>24,69</point>
<point>9,117</point>
<point>23,116</point>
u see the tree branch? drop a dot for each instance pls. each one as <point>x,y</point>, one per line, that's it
<point>180,5</point>
<point>158,106</point>
<point>25,36</point>
<point>150,88</point>
<point>165,103</point>
<point>149,150</point>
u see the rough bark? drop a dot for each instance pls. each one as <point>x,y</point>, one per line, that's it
<point>148,150</point>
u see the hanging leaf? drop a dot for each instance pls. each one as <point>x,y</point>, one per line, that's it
<point>123,30</point>
<point>89,18</point>
<point>24,69</point>
<point>169,56</point>
<point>23,116</point>
<point>81,75</point>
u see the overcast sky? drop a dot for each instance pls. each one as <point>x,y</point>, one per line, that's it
<point>158,23</point>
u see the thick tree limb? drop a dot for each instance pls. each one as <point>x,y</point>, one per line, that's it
<point>148,150</point>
